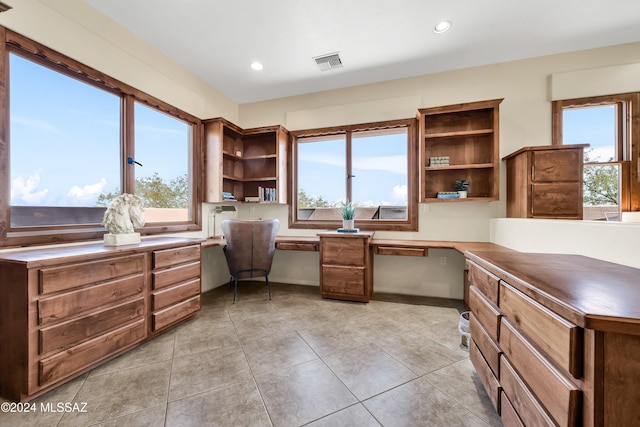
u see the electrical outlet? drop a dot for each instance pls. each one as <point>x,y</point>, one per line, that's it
<point>443,260</point>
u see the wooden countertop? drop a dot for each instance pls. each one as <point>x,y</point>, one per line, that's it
<point>591,293</point>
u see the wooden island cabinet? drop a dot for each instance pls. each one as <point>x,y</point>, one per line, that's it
<point>66,309</point>
<point>556,338</point>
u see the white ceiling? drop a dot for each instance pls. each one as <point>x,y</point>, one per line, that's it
<point>378,40</point>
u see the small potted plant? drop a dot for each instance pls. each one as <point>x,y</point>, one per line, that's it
<point>348,213</point>
<point>462,185</point>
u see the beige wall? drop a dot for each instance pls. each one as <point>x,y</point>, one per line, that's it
<point>79,31</point>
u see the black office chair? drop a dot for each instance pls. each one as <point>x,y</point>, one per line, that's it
<point>250,246</point>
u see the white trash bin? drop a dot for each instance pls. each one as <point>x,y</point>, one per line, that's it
<point>463,328</point>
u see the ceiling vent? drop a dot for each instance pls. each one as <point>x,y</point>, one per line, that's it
<point>328,62</point>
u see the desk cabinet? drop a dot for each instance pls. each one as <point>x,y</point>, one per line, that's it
<point>346,266</point>
<point>547,351</point>
<point>65,310</point>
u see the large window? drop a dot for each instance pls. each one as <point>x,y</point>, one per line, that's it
<point>371,165</point>
<point>77,139</point>
<point>610,167</point>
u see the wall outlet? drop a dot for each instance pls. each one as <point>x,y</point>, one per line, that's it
<point>443,260</point>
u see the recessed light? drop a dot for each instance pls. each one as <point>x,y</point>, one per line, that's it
<point>256,66</point>
<point>442,26</point>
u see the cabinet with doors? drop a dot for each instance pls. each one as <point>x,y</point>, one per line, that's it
<point>546,350</point>
<point>247,163</point>
<point>460,142</point>
<point>65,310</point>
<point>545,182</point>
<point>346,265</point>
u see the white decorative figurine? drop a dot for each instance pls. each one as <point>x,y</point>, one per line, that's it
<point>123,214</point>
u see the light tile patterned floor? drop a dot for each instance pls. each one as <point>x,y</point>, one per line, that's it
<point>295,360</point>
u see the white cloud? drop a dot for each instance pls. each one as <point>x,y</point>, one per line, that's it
<point>36,124</point>
<point>399,192</point>
<point>394,164</point>
<point>86,192</point>
<point>26,190</point>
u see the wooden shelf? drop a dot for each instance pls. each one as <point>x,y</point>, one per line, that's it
<point>456,167</point>
<point>456,134</point>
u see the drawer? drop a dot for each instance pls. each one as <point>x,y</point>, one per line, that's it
<point>177,274</point>
<point>508,414</point>
<point>486,282</point>
<point>169,257</point>
<point>401,251</point>
<point>490,383</point>
<point>75,331</point>
<point>487,314</point>
<point>174,294</point>
<point>557,337</point>
<point>343,251</point>
<point>80,357</point>
<point>78,301</point>
<point>343,280</point>
<point>557,393</point>
<point>520,398</point>
<point>75,275</point>
<point>486,345</point>
<point>297,246</point>
<point>563,199</point>
<point>175,313</point>
<point>556,166</point>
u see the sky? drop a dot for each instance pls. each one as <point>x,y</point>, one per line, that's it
<point>65,139</point>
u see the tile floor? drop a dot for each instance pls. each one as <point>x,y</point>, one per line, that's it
<point>295,360</point>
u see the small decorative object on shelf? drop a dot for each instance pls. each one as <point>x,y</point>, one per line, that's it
<point>462,185</point>
<point>123,214</point>
<point>448,195</point>
<point>439,161</point>
<point>348,214</point>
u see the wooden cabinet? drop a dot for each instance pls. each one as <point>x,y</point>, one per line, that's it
<point>241,162</point>
<point>547,345</point>
<point>545,182</point>
<point>467,136</point>
<point>64,310</point>
<point>346,266</point>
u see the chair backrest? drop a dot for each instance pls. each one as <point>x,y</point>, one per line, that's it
<point>250,246</point>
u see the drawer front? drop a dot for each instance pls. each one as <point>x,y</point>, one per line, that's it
<point>343,280</point>
<point>75,302</point>
<point>508,414</point>
<point>343,251</point>
<point>71,276</point>
<point>486,282</point>
<point>556,166</point>
<point>75,359</point>
<point>168,257</point>
<point>173,275</point>
<point>486,345</point>
<point>401,251</point>
<point>560,339</point>
<point>174,294</point>
<point>302,246</point>
<point>561,397</point>
<point>487,314</point>
<point>526,406</point>
<point>556,200</point>
<point>75,331</point>
<point>175,313</point>
<point>490,383</point>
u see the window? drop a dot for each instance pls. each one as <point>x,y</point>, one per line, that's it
<point>610,169</point>
<point>77,139</point>
<point>371,165</point>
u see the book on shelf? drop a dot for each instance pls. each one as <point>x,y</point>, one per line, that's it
<point>267,194</point>
<point>448,195</point>
<point>226,196</point>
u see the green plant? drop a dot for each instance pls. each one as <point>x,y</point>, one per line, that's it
<point>348,210</point>
<point>462,185</point>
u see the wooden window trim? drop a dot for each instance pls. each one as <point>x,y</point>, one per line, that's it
<point>14,42</point>
<point>410,224</point>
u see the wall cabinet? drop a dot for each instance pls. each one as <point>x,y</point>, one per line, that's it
<point>65,310</point>
<point>460,142</point>
<point>346,266</point>
<point>241,162</point>
<point>545,182</point>
<point>546,351</point>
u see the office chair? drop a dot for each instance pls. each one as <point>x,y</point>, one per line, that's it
<point>250,246</point>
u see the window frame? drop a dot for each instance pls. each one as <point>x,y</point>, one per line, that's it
<point>24,236</point>
<point>409,224</point>
<point>627,138</point>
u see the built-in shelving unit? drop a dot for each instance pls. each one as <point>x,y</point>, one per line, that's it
<point>468,135</point>
<point>245,163</point>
